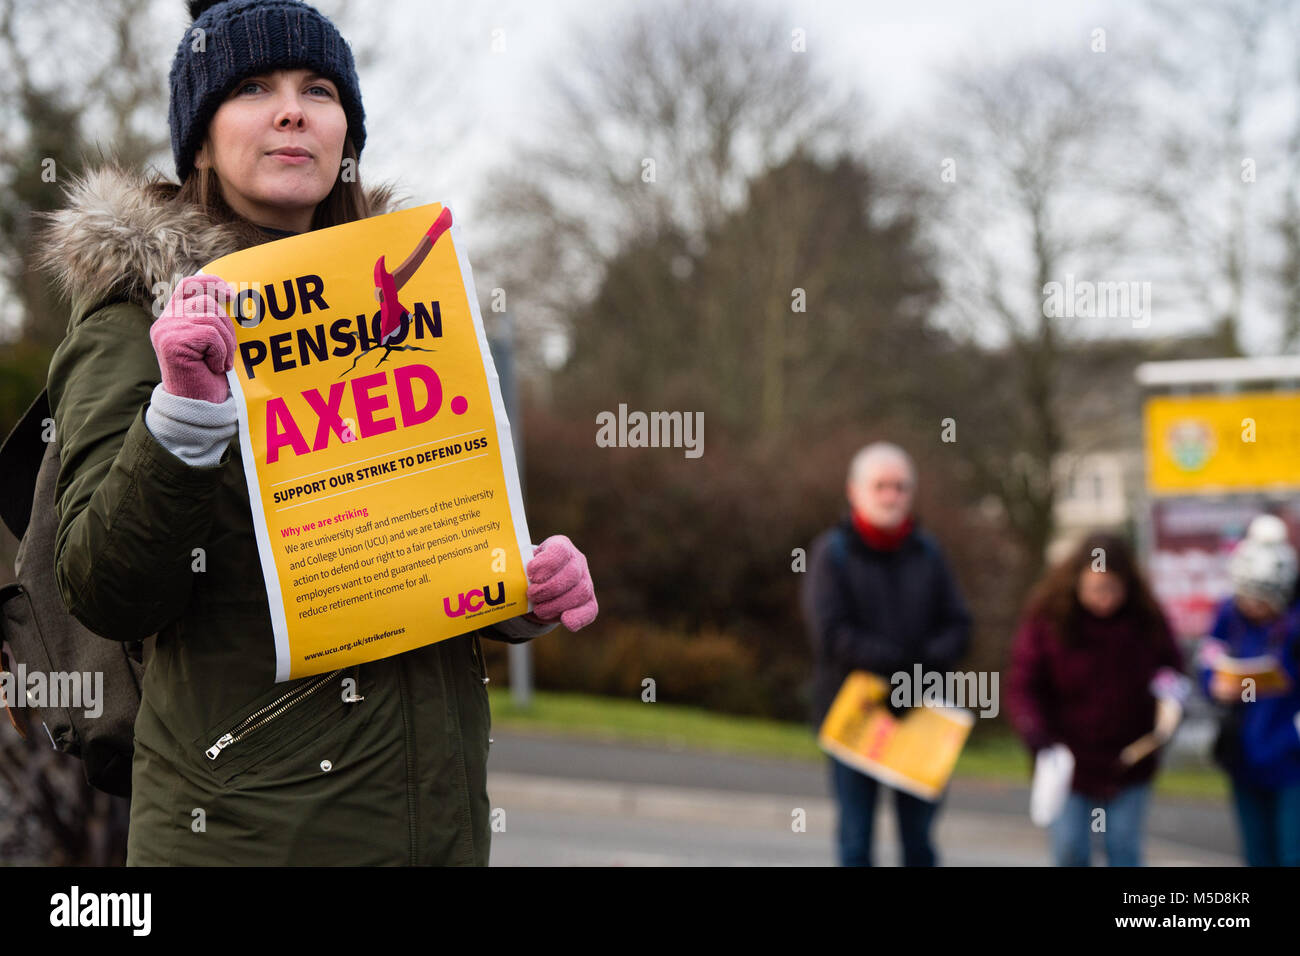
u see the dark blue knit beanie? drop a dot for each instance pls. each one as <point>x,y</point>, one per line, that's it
<point>242,38</point>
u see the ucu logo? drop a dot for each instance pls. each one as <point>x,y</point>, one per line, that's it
<point>475,600</point>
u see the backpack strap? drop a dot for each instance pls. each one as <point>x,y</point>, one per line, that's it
<point>20,462</point>
<point>928,543</point>
<point>839,547</point>
<point>35,622</point>
<point>7,592</point>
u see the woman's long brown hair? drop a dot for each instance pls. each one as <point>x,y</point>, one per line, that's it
<point>1055,598</point>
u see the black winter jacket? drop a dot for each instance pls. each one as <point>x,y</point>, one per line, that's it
<point>879,611</point>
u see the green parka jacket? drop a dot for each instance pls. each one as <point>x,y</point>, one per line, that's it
<point>380,763</point>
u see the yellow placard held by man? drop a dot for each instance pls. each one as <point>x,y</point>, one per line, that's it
<point>915,753</point>
<point>381,474</point>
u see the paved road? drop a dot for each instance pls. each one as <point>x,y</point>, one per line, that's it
<point>564,801</point>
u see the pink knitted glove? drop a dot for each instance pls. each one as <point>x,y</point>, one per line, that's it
<point>560,584</point>
<point>195,341</point>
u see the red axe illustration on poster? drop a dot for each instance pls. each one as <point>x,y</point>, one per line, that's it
<point>388,283</point>
<point>392,314</point>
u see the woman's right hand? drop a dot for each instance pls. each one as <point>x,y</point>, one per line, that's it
<point>194,339</point>
<point>1225,688</point>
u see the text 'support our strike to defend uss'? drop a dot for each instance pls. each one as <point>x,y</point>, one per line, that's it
<point>385,496</point>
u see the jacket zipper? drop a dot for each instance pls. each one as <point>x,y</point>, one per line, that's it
<point>478,656</point>
<point>276,708</point>
<point>482,663</point>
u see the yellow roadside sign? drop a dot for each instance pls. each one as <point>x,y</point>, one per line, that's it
<point>1215,444</point>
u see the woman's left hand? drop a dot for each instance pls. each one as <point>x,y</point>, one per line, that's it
<point>559,584</point>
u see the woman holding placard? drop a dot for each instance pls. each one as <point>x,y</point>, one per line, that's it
<point>383,763</point>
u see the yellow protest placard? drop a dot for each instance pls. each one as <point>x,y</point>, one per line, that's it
<point>1215,444</point>
<point>375,444</point>
<point>1267,676</point>
<point>915,753</point>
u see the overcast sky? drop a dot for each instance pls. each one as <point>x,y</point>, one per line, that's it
<point>889,51</point>
<point>444,107</point>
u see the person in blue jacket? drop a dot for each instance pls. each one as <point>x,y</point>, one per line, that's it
<point>1259,739</point>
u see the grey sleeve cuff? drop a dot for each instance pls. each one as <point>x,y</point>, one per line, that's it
<point>195,431</point>
<point>516,630</point>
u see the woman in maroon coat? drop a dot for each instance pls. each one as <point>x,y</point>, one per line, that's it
<point>1090,645</point>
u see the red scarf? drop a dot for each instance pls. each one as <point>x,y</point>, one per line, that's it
<point>882,539</point>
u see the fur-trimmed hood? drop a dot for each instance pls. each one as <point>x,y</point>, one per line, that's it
<point>118,239</point>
